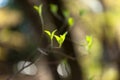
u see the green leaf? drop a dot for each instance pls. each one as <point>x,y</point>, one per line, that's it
<point>66,13</point>
<point>60,39</point>
<point>89,41</point>
<point>48,33</point>
<point>70,21</point>
<point>82,12</point>
<point>40,9</point>
<point>52,35</point>
<point>53,8</point>
<point>57,38</point>
<point>63,36</point>
<point>36,8</point>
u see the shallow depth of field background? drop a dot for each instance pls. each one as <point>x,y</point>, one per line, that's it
<point>99,19</point>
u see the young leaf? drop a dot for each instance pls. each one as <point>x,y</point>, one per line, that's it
<point>70,21</point>
<point>36,8</point>
<point>89,41</point>
<point>82,12</point>
<point>53,33</point>
<point>60,39</point>
<point>40,9</point>
<point>48,33</point>
<point>53,8</point>
<point>64,35</point>
<point>57,38</point>
<point>66,13</point>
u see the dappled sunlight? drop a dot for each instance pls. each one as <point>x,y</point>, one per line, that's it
<point>13,39</point>
<point>9,17</point>
<point>110,73</point>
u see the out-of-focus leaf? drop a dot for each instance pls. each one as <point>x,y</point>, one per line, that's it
<point>89,41</point>
<point>36,8</point>
<point>70,21</point>
<point>48,33</point>
<point>53,33</point>
<point>82,12</point>
<point>66,13</point>
<point>53,8</point>
<point>40,9</point>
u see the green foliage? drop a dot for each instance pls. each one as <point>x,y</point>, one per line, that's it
<point>66,13</point>
<point>89,41</point>
<point>53,8</point>
<point>60,39</point>
<point>82,12</point>
<point>50,34</point>
<point>39,9</point>
<point>70,21</point>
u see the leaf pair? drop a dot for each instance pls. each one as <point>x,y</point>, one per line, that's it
<point>50,34</point>
<point>60,39</point>
<point>39,9</point>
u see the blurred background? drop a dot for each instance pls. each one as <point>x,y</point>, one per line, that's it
<point>91,49</point>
